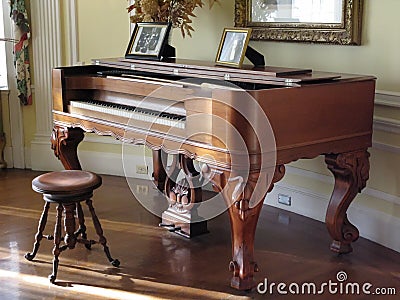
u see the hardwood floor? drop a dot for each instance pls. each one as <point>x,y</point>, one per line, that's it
<point>161,265</point>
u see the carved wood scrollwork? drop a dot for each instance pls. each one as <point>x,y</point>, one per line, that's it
<point>243,192</point>
<point>64,143</point>
<point>354,163</point>
<point>185,193</point>
<point>184,196</point>
<point>351,172</point>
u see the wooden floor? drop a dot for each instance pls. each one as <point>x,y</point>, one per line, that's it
<point>160,265</point>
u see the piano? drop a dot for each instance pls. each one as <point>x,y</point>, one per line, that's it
<point>242,126</point>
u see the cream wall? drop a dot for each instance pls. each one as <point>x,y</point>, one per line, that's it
<point>378,54</point>
<point>103,28</point>
<point>103,31</point>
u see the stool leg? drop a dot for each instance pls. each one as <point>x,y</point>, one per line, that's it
<point>39,234</point>
<point>99,231</point>
<point>82,227</point>
<point>57,240</point>
<point>69,223</point>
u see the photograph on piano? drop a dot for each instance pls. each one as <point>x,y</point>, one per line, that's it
<point>148,40</point>
<point>232,47</point>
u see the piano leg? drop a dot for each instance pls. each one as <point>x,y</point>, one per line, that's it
<point>351,172</point>
<point>243,227</point>
<point>64,142</point>
<point>159,165</point>
<point>244,220</point>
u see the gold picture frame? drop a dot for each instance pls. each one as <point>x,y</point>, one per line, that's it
<point>232,47</point>
<point>345,31</point>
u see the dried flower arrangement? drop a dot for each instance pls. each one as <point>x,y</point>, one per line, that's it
<point>178,12</point>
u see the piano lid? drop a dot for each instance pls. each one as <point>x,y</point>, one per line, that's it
<point>203,69</point>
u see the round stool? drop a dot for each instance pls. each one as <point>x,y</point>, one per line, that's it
<point>68,188</point>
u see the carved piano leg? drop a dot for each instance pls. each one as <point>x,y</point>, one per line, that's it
<point>351,171</point>
<point>183,196</point>
<point>243,224</point>
<point>159,164</point>
<point>64,142</point>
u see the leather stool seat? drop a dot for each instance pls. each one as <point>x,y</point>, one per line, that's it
<point>68,188</point>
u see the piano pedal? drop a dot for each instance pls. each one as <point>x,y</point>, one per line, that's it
<point>169,227</point>
<point>175,229</point>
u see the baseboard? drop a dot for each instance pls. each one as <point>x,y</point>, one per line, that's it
<point>8,156</point>
<point>43,159</point>
<point>114,164</point>
<point>389,100</point>
<point>374,225</point>
<point>28,163</point>
<point>329,179</point>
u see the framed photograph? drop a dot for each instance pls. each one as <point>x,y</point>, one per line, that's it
<point>232,47</point>
<point>148,40</point>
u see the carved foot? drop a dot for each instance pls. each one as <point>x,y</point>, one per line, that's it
<point>99,231</point>
<point>239,283</point>
<point>351,171</point>
<point>39,235</point>
<point>30,255</point>
<point>243,225</point>
<point>53,276</point>
<point>57,240</point>
<point>115,263</point>
<point>350,234</point>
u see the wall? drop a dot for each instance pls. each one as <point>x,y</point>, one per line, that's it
<point>103,28</point>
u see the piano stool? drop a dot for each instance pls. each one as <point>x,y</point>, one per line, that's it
<point>68,189</point>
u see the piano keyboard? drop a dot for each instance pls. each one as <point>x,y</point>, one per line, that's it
<point>130,113</point>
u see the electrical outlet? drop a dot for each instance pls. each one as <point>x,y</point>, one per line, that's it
<point>142,189</point>
<point>284,199</point>
<point>141,169</point>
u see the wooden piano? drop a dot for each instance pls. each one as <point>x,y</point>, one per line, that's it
<point>241,125</point>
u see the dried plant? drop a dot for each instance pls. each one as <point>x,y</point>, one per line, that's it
<point>178,12</point>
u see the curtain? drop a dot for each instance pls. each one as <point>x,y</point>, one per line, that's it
<point>19,16</point>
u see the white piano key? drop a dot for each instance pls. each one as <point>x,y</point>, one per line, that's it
<point>132,113</point>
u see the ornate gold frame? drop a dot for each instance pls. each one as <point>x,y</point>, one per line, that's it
<point>346,33</point>
<point>235,64</point>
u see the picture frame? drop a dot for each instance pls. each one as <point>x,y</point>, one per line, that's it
<point>346,31</point>
<point>232,47</point>
<point>149,40</point>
